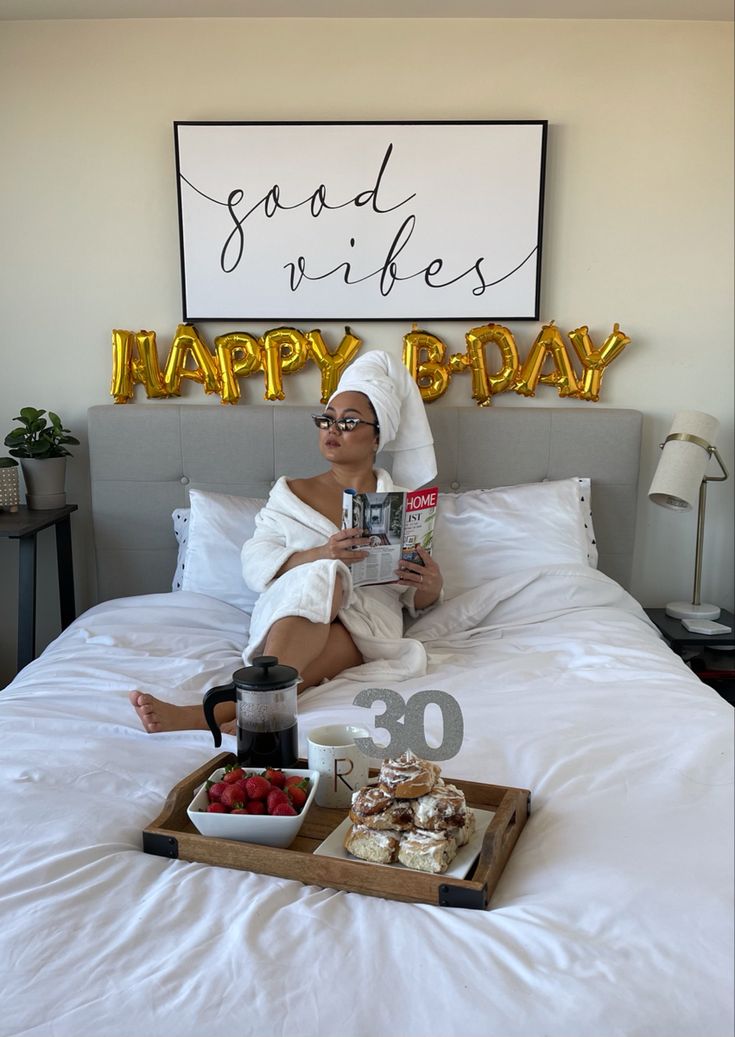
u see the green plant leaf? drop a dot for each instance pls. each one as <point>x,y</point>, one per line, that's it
<point>29,414</point>
<point>39,438</point>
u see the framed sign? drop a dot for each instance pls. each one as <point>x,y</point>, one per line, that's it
<point>369,220</point>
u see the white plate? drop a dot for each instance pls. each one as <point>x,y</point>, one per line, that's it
<point>333,846</point>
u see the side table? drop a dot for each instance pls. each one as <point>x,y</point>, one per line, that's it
<point>711,656</point>
<point>23,526</point>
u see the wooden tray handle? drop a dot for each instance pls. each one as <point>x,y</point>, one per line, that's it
<point>502,832</point>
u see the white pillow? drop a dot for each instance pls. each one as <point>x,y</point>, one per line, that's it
<point>218,527</point>
<point>482,534</point>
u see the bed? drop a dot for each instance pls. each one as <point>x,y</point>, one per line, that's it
<point>614,914</point>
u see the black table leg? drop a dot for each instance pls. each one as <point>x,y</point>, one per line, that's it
<point>26,600</point>
<point>66,572</point>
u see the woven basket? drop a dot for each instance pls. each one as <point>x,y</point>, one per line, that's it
<point>9,488</point>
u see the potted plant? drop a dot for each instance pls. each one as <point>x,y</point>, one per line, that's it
<point>9,489</point>
<point>41,444</point>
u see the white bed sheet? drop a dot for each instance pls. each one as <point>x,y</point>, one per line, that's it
<point>613,917</point>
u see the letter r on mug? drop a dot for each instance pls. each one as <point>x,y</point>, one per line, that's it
<point>342,767</point>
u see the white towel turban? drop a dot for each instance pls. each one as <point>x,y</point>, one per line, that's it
<point>404,427</point>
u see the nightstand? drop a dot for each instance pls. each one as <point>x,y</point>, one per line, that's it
<point>711,656</point>
<point>23,525</point>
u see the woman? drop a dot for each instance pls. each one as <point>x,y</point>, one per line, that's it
<point>309,614</point>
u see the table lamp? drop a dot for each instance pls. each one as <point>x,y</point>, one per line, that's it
<point>679,478</point>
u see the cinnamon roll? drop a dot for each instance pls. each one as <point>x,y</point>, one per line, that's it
<point>427,851</point>
<point>407,776</point>
<point>371,845</point>
<point>442,808</point>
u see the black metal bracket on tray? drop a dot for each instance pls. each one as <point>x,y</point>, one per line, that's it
<point>160,845</point>
<point>458,896</point>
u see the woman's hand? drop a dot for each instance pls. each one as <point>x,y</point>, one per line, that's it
<point>426,578</point>
<point>342,546</point>
<point>339,547</point>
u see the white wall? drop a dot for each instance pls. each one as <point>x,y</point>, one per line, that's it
<point>638,227</point>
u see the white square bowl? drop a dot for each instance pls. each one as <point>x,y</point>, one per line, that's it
<point>250,828</point>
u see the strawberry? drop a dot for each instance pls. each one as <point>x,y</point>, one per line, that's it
<point>294,779</point>
<point>235,774</point>
<point>282,810</point>
<point>257,787</point>
<point>240,810</point>
<point>216,808</point>
<point>297,795</point>
<point>275,796</point>
<point>215,791</point>
<point>275,777</point>
<point>255,806</point>
<point>233,795</point>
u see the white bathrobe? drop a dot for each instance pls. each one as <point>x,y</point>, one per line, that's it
<point>373,615</point>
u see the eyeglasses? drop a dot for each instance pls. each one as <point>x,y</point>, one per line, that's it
<point>324,422</point>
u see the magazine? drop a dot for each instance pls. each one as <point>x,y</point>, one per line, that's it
<point>396,521</point>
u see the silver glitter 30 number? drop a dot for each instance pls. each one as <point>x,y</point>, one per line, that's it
<point>405,723</point>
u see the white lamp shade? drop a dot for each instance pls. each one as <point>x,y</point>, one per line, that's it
<point>682,465</point>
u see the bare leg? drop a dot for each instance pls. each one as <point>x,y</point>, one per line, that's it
<point>339,653</point>
<point>296,641</point>
<point>156,715</point>
<point>315,650</point>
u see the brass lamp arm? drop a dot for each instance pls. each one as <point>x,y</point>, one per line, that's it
<point>711,450</point>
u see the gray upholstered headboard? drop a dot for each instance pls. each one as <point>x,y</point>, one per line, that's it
<point>144,458</point>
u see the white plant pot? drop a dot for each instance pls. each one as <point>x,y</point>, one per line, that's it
<point>44,479</point>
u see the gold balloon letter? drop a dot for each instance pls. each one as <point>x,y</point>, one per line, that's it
<point>549,343</point>
<point>594,361</point>
<point>331,365</point>
<point>237,354</point>
<point>187,344</point>
<point>484,385</point>
<point>284,351</point>
<point>127,369</point>
<point>424,357</point>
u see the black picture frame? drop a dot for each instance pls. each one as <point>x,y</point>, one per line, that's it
<point>373,220</point>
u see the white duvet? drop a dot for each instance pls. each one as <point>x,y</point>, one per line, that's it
<point>614,915</point>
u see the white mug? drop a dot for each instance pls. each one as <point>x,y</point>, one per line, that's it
<point>342,767</point>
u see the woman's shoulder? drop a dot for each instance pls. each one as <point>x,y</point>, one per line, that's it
<point>305,488</point>
<point>287,484</point>
<point>314,491</point>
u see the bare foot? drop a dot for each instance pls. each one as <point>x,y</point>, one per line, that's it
<point>156,715</point>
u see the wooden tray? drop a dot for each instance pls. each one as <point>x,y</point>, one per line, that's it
<point>173,835</point>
